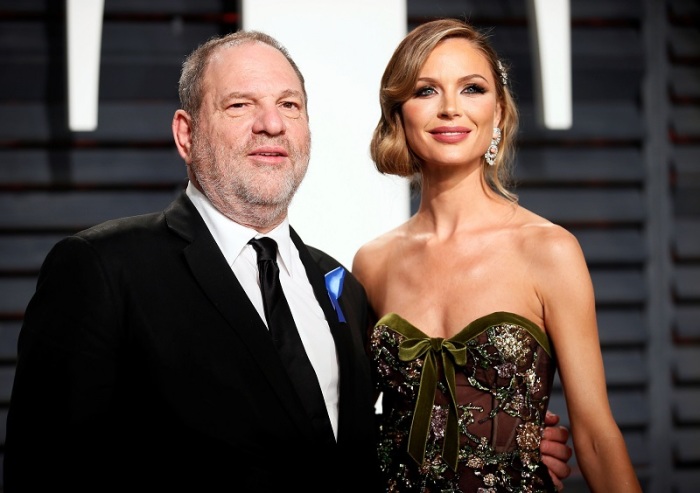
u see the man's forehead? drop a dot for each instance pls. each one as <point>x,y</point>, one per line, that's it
<point>251,59</point>
<point>252,52</point>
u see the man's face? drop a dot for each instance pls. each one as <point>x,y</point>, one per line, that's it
<point>250,149</point>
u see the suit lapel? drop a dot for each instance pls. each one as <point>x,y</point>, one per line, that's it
<point>317,279</point>
<point>339,330</point>
<point>216,279</point>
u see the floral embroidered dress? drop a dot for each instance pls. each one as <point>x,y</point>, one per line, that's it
<point>463,414</point>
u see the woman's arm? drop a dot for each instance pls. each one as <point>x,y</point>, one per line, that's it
<point>566,292</point>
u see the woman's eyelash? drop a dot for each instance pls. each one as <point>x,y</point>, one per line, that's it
<point>472,88</point>
<point>424,91</point>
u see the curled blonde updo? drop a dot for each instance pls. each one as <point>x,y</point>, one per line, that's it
<point>389,149</point>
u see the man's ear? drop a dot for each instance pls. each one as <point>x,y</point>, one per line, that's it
<point>182,133</point>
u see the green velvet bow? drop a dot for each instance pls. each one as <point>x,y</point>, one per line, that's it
<point>452,353</point>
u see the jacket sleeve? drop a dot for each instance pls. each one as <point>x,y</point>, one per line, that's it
<point>62,406</point>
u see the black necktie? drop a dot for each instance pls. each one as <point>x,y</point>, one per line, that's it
<point>285,335</point>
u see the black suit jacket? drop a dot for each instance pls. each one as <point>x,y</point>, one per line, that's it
<point>143,366</point>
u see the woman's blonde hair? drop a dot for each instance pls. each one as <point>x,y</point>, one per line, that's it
<point>389,149</point>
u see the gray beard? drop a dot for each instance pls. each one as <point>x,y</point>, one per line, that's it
<point>236,196</point>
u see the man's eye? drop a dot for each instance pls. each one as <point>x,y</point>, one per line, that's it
<point>291,108</point>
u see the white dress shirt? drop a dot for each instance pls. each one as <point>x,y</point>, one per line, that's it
<point>232,239</point>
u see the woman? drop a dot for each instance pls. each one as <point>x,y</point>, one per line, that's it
<point>475,292</point>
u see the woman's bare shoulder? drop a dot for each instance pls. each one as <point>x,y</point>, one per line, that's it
<point>550,247</point>
<point>543,233</point>
<point>371,256</point>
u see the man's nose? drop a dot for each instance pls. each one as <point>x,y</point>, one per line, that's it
<point>269,120</point>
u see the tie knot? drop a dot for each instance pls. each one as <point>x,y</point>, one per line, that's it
<point>265,247</point>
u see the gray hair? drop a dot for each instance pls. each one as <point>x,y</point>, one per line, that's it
<point>191,89</point>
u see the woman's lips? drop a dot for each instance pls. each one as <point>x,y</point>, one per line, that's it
<point>450,135</point>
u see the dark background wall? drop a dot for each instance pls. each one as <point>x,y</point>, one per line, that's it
<point>625,179</point>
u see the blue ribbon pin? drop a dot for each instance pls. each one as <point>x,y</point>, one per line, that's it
<point>334,286</point>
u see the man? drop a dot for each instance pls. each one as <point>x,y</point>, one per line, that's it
<point>145,361</point>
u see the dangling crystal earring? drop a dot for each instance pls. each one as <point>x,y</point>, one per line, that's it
<point>493,148</point>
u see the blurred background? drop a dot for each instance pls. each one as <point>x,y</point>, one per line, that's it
<point>625,178</point>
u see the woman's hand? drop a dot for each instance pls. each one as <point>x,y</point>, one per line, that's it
<point>555,451</point>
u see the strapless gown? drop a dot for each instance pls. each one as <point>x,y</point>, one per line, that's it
<point>464,414</point>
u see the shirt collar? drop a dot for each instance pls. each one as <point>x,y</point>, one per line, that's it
<point>284,243</point>
<point>232,237</point>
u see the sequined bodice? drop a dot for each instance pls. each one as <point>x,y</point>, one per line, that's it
<point>463,414</point>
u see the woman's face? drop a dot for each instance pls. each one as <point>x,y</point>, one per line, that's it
<point>450,117</point>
